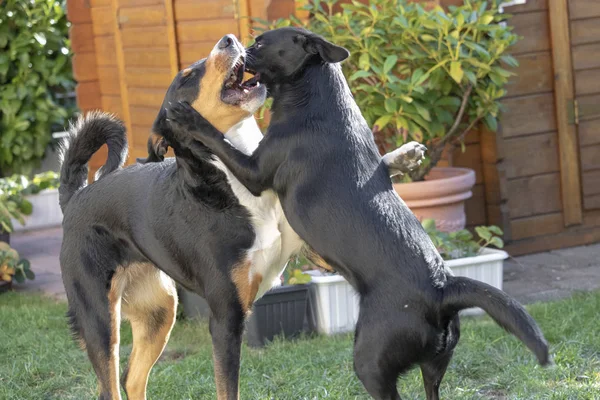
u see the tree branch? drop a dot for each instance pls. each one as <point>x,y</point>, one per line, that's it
<point>437,149</point>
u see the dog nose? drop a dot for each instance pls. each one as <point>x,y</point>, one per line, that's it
<point>226,41</point>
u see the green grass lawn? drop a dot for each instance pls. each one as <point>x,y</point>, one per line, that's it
<point>38,360</point>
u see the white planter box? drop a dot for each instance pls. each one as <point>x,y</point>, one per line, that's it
<point>333,305</point>
<point>487,267</point>
<point>46,212</point>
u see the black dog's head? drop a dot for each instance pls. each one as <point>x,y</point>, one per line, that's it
<point>279,54</point>
<point>215,88</point>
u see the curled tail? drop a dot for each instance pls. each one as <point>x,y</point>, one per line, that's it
<point>86,136</point>
<point>461,293</point>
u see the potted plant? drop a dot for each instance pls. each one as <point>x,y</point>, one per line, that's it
<point>430,76</point>
<point>13,207</point>
<point>333,303</point>
<point>12,267</point>
<point>471,257</point>
<point>42,193</point>
<point>282,310</point>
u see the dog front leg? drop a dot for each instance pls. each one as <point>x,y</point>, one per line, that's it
<point>226,332</point>
<point>247,169</point>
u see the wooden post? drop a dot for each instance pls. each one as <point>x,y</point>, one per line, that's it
<point>494,180</point>
<point>125,114</point>
<point>172,38</point>
<point>563,96</point>
<point>242,13</point>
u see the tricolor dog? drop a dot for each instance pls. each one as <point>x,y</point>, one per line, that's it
<point>133,233</point>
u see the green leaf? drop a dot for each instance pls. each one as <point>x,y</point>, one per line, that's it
<point>26,207</point>
<point>40,37</point>
<point>359,74</point>
<point>448,101</point>
<point>428,224</point>
<point>390,62</point>
<point>405,98</point>
<point>496,241</point>
<point>510,61</point>
<point>364,62</point>
<point>423,112</point>
<point>483,233</point>
<point>390,105</point>
<point>382,121</point>
<point>496,230</point>
<point>486,19</point>
<point>29,274</point>
<point>491,122</point>
<point>19,276</point>
<point>456,71</point>
<point>428,38</point>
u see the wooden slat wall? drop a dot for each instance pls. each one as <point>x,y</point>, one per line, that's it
<point>585,40</point>
<point>86,70</point>
<point>528,135</point>
<point>200,24</point>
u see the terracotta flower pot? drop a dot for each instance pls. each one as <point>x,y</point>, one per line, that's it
<point>441,196</point>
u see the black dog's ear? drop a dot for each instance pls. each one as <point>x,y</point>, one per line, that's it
<point>328,51</point>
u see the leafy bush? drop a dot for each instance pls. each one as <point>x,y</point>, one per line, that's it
<point>35,78</point>
<point>429,76</point>
<point>294,274</point>
<point>452,245</point>
<point>12,266</point>
<point>13,204</point>
<point>13,190</point>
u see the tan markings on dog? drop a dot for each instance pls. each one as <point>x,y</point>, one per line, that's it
<point>186,72</point>
<point>208,103</point>
<point>155,139</point>
<point>150,303</point>
<point>247,286</point>
<point>220,380</point>
<point>112,364</point>
<point>316,259</point>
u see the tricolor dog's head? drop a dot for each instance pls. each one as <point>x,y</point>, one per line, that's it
<point>215,88</point>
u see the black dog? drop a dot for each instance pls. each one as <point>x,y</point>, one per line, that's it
<point>320,157</point>
<point>129,233</point>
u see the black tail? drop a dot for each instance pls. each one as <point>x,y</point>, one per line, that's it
<point>86,136</point>
<point>464,293</point>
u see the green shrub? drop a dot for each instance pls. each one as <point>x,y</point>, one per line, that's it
<point>410,70</point>
<point>459,244</point>
<point>13,190</point>
<point>35,76</point>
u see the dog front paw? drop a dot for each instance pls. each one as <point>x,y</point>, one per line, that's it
<point>183,115</point>
<point>406,158</point>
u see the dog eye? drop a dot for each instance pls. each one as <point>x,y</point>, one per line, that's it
<point>257,45</point>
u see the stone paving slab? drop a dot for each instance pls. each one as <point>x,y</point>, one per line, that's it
<point>535,277</point>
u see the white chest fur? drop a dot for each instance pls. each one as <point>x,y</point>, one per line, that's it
<point>275,240</point>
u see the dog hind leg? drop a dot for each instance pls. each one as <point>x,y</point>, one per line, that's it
<point>433,371</point>
<point>94,313</point>
<point>150,303</point>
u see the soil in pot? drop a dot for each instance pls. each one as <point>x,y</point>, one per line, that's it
<point>281,311</point>
<point>441,196</point>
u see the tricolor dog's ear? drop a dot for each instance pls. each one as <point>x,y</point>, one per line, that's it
<point>157,144</point>
<point>329,52</point>
<point>157,148</point>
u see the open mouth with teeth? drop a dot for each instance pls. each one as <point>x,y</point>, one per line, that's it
<point>235,89</point>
